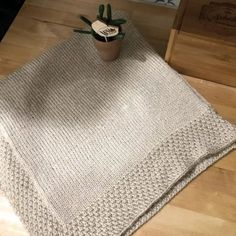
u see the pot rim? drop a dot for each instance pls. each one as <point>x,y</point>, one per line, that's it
<point>104,42</point>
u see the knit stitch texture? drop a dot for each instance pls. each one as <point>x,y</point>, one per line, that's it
<point>95,148</point>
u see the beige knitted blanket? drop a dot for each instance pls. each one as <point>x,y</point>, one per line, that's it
<point>90,148</point>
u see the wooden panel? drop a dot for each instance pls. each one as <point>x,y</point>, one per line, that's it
<point>212,19</point>
<point>203,40</point>
<point>170,46</point>
<point>200,58</point>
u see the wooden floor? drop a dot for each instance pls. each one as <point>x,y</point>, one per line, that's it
<point>207,206</point>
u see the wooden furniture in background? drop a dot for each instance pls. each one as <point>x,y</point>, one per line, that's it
<point>203,40</point>
<point>207,205</point>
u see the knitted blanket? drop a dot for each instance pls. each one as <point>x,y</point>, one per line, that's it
<point>91,148</point>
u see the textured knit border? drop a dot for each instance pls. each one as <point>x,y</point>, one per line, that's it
<point>18,184</point>
<point>137,196</point>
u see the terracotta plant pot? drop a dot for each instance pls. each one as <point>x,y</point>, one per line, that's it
<point>108,51</point>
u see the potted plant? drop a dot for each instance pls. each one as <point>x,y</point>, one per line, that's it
<point>107,33</point>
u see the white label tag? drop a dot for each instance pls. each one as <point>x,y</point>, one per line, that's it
<point>105,30</point>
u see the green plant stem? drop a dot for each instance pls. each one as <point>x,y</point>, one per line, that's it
<point>101,10</point>
<point>85,20</point>
<point>118,22</point>
<point>109,13</point>
<point>82,31</point>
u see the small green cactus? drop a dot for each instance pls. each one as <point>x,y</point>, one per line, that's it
<point>109,14</point>
<point>101,10</point>
<point>108,20</point>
